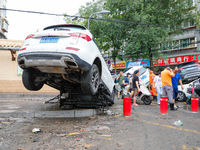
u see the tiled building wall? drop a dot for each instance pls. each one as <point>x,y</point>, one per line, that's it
<point>10,82</point>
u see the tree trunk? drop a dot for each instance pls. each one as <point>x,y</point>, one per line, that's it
<point>115,65</point>
<point>150,59</point>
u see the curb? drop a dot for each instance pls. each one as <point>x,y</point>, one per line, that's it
<point>21,95</point>
<point>50,114</point>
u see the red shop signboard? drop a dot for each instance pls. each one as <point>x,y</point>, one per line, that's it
<point>173,60</point>
<point>196,58</point>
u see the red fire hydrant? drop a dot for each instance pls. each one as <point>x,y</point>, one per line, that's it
<point>195,103</point>
<point>163,104</point>
<point>127,105</point>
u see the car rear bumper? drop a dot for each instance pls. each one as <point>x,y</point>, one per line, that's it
<point>52,59</point>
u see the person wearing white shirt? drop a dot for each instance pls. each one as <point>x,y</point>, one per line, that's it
<point>157,83</point>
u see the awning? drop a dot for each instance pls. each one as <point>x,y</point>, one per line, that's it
<point>13,45</point>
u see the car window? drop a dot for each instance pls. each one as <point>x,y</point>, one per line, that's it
<point>185,64</point>
<point>96,43</point>
<point>64,28</point>
<point>142,71</point>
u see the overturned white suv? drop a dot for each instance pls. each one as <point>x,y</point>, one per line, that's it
<point>66,57</point>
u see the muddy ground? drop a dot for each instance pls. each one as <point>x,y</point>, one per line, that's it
<point>146,128</point>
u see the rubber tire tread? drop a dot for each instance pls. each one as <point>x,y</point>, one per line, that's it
<point>184,97</point>
<point>28,80</point>
<point>147,102</point>
<point>86,81</point>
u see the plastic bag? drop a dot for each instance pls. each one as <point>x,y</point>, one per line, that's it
<point>178,123</point>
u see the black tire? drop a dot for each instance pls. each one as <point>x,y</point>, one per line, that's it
<point>90,80</point>
<point>28,79</point>
<point>181,96</point>
<point>147,100</point>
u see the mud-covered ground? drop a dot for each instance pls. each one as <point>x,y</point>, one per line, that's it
<point>145,129</point>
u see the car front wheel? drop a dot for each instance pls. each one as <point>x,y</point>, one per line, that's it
<point>29,77</point>
<point>90,80</point>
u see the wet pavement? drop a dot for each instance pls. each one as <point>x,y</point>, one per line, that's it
<point>146,128</point>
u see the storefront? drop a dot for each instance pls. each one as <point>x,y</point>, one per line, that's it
<point>159,63</point>
<point>124,65</point>
<point>119,65</point>
<point>176,60</point>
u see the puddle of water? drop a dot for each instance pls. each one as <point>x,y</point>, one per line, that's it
<point>187,107</point>
<point>7,111</point>
<point>12,107</point>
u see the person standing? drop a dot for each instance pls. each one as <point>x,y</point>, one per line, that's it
<point>157,83</point>
<point>151,79</point>
<point>167,88</point>
<point>126,83</point>
<point>120,79</point>
<point>135,82</point>
<point>175,80</point>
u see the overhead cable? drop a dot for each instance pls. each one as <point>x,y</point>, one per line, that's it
<point>92,18</point>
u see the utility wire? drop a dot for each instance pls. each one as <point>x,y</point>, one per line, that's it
<point>92,18</point>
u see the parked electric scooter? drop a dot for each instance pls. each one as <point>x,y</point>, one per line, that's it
<point>144,94</point>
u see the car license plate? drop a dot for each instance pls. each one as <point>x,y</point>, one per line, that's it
<point>49,40</point>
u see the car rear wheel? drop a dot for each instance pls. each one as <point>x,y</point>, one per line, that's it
<point>147,100</point>
<point>90,80</point>
<point>181,96</point>
<point>29,77</point>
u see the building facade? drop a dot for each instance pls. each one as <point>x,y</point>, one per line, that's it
<point>10,72</point>
<point>3,19</point>
<point>183,47</point>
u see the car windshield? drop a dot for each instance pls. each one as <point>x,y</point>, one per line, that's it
<point>126,69</point>
<point>185,64</point>
<point>142,71</point>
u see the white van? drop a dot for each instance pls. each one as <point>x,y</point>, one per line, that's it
<point>144,73</point>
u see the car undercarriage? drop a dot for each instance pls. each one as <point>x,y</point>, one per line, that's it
<point>69,85</point>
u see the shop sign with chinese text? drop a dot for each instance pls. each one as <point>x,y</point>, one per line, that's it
<point>137,63</point>
<point>173,60</point>
<point>119,65</point>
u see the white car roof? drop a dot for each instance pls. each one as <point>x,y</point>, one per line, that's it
<point>131,70</point>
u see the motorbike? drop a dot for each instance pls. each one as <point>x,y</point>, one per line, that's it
<point>144,94</point>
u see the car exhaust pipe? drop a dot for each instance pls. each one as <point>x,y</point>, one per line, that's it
<point>21,62</point>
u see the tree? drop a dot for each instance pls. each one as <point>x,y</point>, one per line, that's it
<point>155,23</point>
<point>109,35</point>
<point>142,27</point>
<point>85,11</point>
